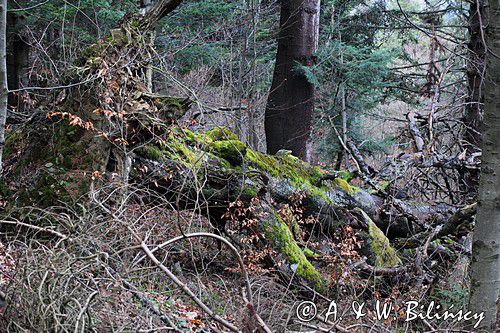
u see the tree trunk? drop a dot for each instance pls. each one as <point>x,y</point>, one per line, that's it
<point>3,76</point>
<point>475,100</point>
<point>154,10</point>
<point>290,105</point>
<point>475,72</point>
<point>485,282</point>
<point>17,59</point>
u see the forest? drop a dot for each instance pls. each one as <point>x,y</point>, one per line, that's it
<point>249,166</point>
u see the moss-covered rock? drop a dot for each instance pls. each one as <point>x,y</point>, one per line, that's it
<point>219,146</point>
<point>219,149</point>
<point>344,174</point>
<point>284,164</point>
<point>176,149</point>
<point>385,254</point>
<point>310,254</point>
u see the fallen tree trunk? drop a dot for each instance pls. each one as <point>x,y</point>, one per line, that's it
<point>207,172</point>
<point>230,171</point>
<point>210,171</point>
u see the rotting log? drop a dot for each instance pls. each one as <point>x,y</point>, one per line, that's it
<point>220,170</point>
<point>229,171</point>
<point>207,172</point>
<point>204,170</point>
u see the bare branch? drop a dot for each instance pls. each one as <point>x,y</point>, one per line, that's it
<point>188,291</point>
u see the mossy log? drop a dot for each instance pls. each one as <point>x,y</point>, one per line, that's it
<point>207,170</point>
<point>220,169</point>
<point>210,170</point>
<point>231,171</point>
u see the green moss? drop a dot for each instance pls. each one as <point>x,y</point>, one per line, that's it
<point>345,175</point>
<point>279,233</point>
<point>186,136</point>
<point>232,151</point>
<point>194,149</point>
<point>221,133</point>
<point>343,184</point>
<point>152,152</point>
<point>220,147</point>
<point>318,192</point>
<point>381,186</point>
<point>263,162</point>
<point>301,175</point>
<point>177,149</point>
<point>310,254</point>
<point>224,146</point>
<point>385,254</point>
<point>11,141</point>
<point>285,165</point>
<point>195,137</point>
<point>250,190</point>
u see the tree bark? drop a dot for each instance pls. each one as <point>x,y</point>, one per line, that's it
<point>154,10</point>
<point>3,76</point>
<point>485,282</point>
<point>17,58</point>
<point>290,105</point>
<point>475,74</point>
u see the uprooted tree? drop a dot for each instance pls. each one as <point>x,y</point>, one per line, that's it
<point>106,128</point>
